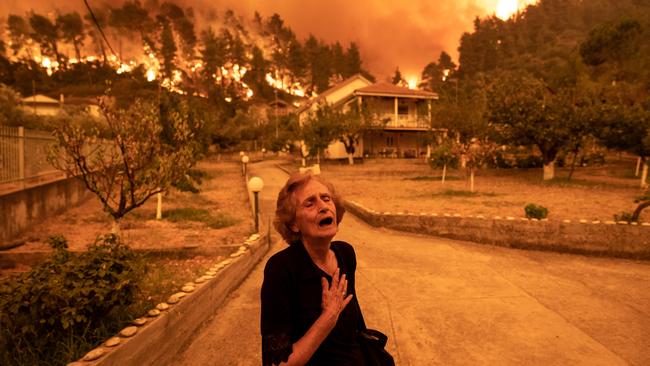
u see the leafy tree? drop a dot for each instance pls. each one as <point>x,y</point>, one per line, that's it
<point>353,122</point>
<point>183,27</point>
<point>436,73</point>
<point>45,33</point>
<point>71,28</point>
<point>211,55</point>
<point>256,76</point>
<point>353,61</point>
<point>167,47</point>
<point>131,19</point>
<point>135,164</point>
<point>101,16</point>
<point>296,60</point>
<point>338,61</point>
<point>19,34</point>
<point>526,112</point>
<point>321,129</point>
<point>318,59</point>
<point>444,155</point>
<point>611,42</point>
<point>397,77</point>
<point>626,125</point>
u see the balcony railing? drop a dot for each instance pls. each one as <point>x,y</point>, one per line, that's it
<point>403,121</point>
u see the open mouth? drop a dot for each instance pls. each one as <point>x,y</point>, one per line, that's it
<point>326,222</point>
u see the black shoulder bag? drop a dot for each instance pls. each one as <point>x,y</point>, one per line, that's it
<point>372,345</point>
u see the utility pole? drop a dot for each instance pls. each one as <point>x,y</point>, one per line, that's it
<point>275,91</point>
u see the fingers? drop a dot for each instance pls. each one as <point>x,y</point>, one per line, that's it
<point>346,301</point>
<point>335,279</point>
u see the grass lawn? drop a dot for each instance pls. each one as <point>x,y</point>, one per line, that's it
<point>409,185</point>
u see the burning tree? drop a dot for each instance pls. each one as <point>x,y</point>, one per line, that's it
<point>137,161</point>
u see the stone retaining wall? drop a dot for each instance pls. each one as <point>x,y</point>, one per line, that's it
<point>21,210</point>
<point>582,237</point>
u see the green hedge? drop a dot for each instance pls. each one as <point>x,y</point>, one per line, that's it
<point>67,304</point>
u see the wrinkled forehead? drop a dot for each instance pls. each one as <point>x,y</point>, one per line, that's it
<point>309,189</point>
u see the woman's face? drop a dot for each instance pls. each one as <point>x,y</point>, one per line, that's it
<point>315,212</point>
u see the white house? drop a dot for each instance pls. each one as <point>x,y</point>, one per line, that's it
<point>401,115</point>
<point>41,105</point>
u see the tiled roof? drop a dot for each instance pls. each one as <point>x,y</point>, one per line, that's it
<point>331,90</point>
<point>390,90</point>
<point>39,98</point>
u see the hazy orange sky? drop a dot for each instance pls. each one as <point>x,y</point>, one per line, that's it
<point>390,33</point>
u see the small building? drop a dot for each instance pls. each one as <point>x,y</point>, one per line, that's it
<point>401,117</point>
<point>41,105</point>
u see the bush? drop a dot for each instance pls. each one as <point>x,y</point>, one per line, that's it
<point>66,303</point>
<point>190,180</point>
<point>595,158</point>
<point>624,216</point>
<point>529,162</point>
<point>534,211</point>
<point>499,161</point>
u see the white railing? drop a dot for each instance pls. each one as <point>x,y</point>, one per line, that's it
<point>405,121</point>
<point>23,155</point>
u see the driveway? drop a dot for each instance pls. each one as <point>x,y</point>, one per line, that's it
<point>447,302</point>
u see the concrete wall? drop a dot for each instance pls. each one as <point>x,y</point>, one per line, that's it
<point>581,237</point>
<point>22,210</point>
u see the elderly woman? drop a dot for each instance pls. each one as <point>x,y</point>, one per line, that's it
<point>310,314</point>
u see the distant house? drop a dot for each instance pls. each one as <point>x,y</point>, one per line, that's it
<point>41,105</point>
<point>402,117</point>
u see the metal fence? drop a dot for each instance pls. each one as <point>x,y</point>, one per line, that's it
<point>23,155</point>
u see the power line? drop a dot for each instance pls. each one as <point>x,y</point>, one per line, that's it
<point>92,15</point>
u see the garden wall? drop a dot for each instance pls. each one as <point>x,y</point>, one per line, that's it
<point>21,210</point>
<point>161,334</point>
<point>582,237</point>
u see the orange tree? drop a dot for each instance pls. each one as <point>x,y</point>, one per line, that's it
<point>140,158</point>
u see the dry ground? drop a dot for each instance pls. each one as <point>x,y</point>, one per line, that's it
<point>594,193</point>
<point>223,193</point>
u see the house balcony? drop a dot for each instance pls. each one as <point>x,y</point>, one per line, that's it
<point>404,122</point>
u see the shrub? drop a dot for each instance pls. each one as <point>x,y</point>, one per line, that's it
<point>499,161</point>
<point>529,162</point>
<point>190,180</point>
<point>70,299</point>
<point>534,211</point>
<point>625,216</point>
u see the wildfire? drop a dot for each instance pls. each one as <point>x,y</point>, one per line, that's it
<point>506,8</point>
<point>225,75</point>
<point>412,82</point>
<point>285,84</point>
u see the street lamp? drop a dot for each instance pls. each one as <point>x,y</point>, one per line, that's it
<point>256,184</point>
<point>244,160</point>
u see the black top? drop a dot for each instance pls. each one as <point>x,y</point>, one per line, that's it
<point>291,303</point>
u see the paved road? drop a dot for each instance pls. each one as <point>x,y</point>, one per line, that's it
<point>446,302</point>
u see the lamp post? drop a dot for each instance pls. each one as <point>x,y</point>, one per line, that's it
<point>256,184</point>
<point>244,160</point>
